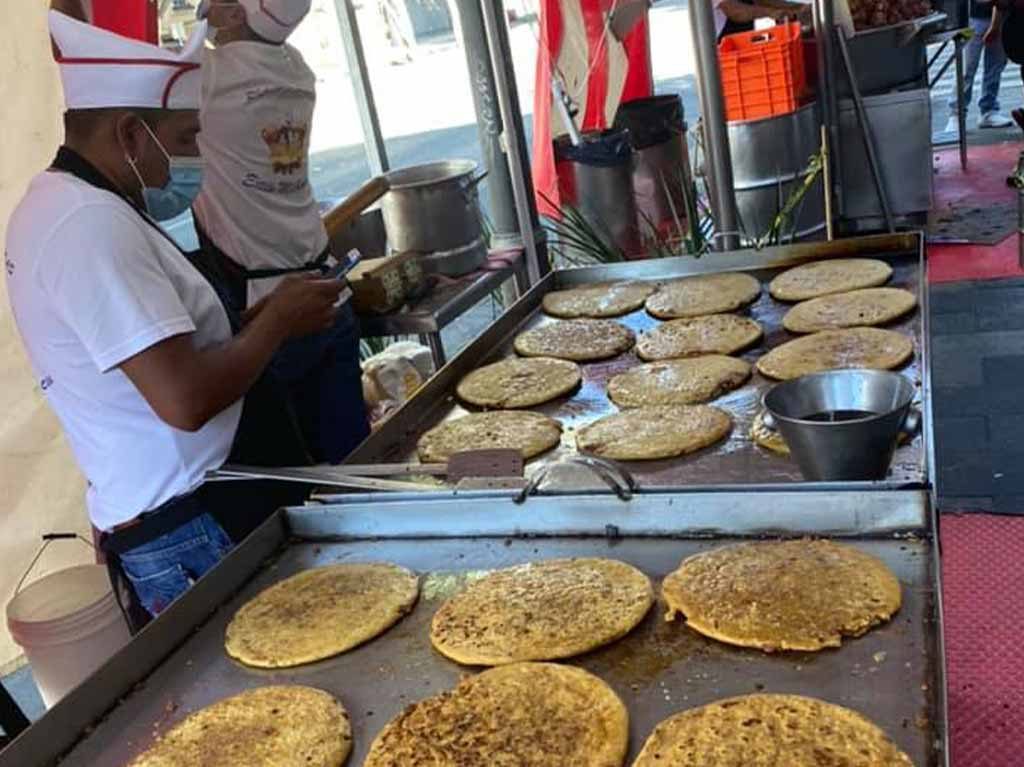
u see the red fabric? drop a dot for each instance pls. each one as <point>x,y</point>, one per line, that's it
<point>983,568</point>
<point>131,18</point>
<point>639,84</point>
<point>597,52</point>
<point>982,182</point>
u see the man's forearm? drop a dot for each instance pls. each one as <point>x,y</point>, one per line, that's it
<point>187,387</point>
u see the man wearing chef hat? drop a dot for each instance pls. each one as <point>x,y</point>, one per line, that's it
<point>256,214</point>
<point>154,380</point>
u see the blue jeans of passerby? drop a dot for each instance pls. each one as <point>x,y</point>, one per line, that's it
<point>163,569</point>
<point>324,378</point>
<point>991,73</point>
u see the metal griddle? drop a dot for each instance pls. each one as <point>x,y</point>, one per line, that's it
<point>894,675</point>
<point>737,461</point>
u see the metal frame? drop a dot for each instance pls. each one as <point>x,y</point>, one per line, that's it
<point>943,39</point>
<point>359,73</point>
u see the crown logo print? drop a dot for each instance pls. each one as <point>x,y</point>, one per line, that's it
<point>287,145</point>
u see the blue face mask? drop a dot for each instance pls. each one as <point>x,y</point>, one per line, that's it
<point>185,177</point>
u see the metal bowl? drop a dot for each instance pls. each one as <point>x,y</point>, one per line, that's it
<point>844,424</point>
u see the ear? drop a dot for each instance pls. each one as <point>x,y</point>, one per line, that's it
<point>131,135</point>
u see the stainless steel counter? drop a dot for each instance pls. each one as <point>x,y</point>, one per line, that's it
<point>894,674</point>
<point>737,461</point>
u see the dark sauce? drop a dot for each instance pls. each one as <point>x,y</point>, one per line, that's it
<point>837,416</point>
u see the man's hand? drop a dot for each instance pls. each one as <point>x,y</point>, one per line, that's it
<point>300,306</point>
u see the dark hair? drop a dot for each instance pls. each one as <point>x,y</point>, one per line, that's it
<point>83,124</point>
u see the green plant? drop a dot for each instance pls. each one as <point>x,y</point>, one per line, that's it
<point>776,233</point>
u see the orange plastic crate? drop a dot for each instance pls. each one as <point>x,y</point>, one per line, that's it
<point>762,72</point>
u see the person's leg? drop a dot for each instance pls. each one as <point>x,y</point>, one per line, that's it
<point>329,398</point>
<point>994,62</point>
<point>162,570</point>
<point>972,57</point>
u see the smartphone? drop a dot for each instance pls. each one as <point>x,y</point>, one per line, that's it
<point>345,265</point>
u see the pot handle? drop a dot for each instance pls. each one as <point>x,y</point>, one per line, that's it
<point>769,421</point>
<point>471,184</point>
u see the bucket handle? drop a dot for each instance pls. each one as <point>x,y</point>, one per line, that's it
<point>49,538</point>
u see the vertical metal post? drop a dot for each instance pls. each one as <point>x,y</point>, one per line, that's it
<point>489,126</point>
<point>716,136</point>
<point>866,134</point>
<point>961,108</point>
<point>514,140</point>
<point>359,74</point>
<point>827,99</point>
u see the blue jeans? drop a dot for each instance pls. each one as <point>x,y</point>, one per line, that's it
<point>162,570</point>
<point>995,63</point>
<point>324,379</point>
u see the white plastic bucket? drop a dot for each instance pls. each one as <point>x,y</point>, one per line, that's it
<point>69,624</point>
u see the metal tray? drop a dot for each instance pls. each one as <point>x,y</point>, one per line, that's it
<point>737,461</point>
<point>894,674</point>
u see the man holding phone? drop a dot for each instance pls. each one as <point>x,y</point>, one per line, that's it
<point>256,215</point>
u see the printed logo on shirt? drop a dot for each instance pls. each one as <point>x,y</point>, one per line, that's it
<point>8,265</point>
<point>287,146</point>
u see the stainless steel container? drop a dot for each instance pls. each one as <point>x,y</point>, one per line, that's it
<point>769,160</point>
<point>843,424</point>
<point>434,210</point>
<point>602,192</point>
<point>885,59</point>
<point>661,168</point>
<point>901,124</point>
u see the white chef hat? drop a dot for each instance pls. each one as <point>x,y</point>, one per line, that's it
<point>275,20</point>
<point>100,69</point>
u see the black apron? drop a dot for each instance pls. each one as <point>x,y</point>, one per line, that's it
<point>235,278</point>
<point>267,435</point>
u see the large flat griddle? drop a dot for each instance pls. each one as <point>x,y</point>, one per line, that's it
<point>736,461</point>
<point>894,675</point>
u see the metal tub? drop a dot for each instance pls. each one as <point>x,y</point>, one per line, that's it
<point>769,160</point>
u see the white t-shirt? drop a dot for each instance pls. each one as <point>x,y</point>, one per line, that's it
<point>256,114</point>
<point>91,285</point>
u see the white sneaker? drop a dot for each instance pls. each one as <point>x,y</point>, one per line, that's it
<point>952,125</point>
<point>994,120</point>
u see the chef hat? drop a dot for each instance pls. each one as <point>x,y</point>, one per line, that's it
<point>100,69</point>
<point>275,20</point>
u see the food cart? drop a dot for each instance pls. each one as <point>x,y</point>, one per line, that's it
<point>650,514</point>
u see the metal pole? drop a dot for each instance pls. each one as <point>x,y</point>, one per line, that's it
<point>865,132</point>
<point>716,136</point>
<point>489,126</point>
<point>359,74</point>
<point>827,100</point>
<point>826,184</point>
<point>514,141</point>
<point>961,108</point>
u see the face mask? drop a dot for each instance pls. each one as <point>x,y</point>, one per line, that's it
<point>185,177</point>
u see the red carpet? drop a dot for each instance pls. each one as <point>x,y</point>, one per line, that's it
<point>983,572</point>
<point>984,181</point>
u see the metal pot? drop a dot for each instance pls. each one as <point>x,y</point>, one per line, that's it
<point>434,209</point>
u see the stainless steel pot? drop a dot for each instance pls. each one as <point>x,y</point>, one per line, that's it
<point>434,209</point>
